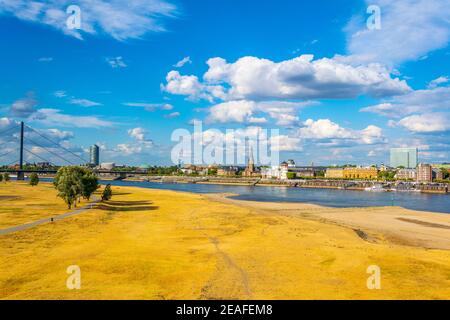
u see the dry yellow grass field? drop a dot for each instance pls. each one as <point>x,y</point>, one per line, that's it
<point>21,203</point>
<point>155,244</point>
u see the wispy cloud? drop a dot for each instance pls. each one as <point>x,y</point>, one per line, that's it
<point>55,117</point>
<point>45,59</point>
<point>116,62</point>
<point>182,62</point>
<point>84,102</point>
<point>119,19</point>
<point>60,94</point>
<point>149,106</point>
<point>410,29</point>
<point>24,107</point>
<point>437,82</point>
<point>172,115</point>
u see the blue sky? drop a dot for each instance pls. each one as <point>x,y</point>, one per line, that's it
<point>338,91</point>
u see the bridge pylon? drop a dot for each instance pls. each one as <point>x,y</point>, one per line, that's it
<point>20,174</point>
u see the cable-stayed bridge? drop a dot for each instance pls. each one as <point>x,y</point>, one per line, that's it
<point>19,139</point>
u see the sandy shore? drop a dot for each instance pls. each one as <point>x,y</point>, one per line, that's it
<point>395,224</point>
<point>162,244</point>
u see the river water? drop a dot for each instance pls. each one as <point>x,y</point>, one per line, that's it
<point>325,197</point>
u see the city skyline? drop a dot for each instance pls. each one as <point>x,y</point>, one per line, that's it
<point>338,91</point>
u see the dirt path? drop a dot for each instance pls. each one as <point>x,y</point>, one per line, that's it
<point>228,271</point>
<point>29,225</point>
<point>230,263</point>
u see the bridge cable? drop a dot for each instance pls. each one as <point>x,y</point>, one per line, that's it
<point>9,141</point>
<point>55,154</point>
<point>34,154</point>
<point>4,131</point>
<point>15,161</point>
<point>59,146</point>
<point>5,154</point>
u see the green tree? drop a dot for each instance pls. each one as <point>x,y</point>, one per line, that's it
<point>320,174</point>
<point>34,179</point>
<point>445,173</point>
<point>290,175</point>
<point>72,186</point>
<point>6,177</point>
<point>386,175</point>
<point>89,183</point>
<point>212,172</point>
<point>1,177</point>
<point>66,182</point>
<point>107,193</point>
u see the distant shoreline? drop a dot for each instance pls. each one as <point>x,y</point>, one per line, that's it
<point>358,185</point>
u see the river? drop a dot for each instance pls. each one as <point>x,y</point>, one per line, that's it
<point>325,197</point>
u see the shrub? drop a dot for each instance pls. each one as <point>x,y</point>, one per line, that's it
<point>34,179</point>
<point>107,193</point>
<point>6,177</point>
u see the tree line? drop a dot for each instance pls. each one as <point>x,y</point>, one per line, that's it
<point>74,183</point>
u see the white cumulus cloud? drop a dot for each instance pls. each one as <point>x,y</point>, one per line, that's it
<point>427,122</point>
<point>418,101</point>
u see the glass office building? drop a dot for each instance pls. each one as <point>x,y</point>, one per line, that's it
<point>404,157</point>
<point>94,155</point>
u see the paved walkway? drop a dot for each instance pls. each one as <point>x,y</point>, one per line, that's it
<point>47,220</point>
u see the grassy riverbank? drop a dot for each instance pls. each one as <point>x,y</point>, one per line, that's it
<point>21,203</point>
<point>158,244</point>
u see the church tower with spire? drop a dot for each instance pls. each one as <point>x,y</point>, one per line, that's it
<point>250,170</point>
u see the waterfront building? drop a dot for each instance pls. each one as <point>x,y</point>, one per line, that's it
<point>227,171</point>
<point>43,165</point>
<point>273,172</point>
<point>424,173</point>
<point>107,165</point>
<point>406,174</point>
<point>334,173</point>
<point>300,172</point>
<point>404,157</point>
<point>303,172</point>
<point>290,163</point>
<point>94,155</point>
<point>361,173</point>
<point>190,169</point>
